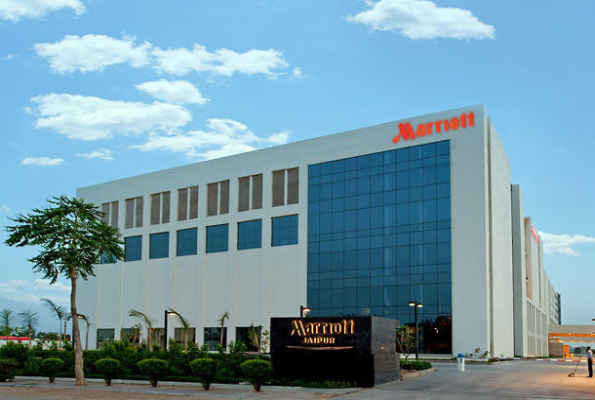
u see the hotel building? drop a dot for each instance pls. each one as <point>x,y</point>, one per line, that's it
<point>356,223</point>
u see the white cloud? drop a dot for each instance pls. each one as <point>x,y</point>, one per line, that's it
<point>9,56</point>
<point>34,291</point>
<point>177,92</point>
<point>93,53</point>
<point>422,19</point>
<point>563,244</point>
<point>102,153</point>
<point>14,10</point>
<point>223,137</point>
<point>296,73</point>
<point>5,209</point>
<point>93,118</point>
<point>42,161</point>
<point>221,62</point>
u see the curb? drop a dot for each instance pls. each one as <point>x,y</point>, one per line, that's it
<point>240,386</point>
<point>417,374</point>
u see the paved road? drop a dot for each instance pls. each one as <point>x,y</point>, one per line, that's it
<point>514,380</point>
<point>511,380</point>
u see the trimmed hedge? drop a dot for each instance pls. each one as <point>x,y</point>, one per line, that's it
<point>257,372</point>
<point>415,365</point>
<point>205,369</point>
<point>109,368</point>
<point>7,368</point>
<point>51,366</point>
<point>155,369</point>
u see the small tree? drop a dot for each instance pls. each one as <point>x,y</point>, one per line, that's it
<point>205,370</point>
<point>109,368</point>
<point>29,320</point>
<point>5,320</point>
<point>405,340</point>
<point>60,314</point>
<point>148,322</point>
<point>185,326</point>
<point>154,368</point>
<point>221,321</point>
<point>51,366</point>
<point>257,372</point>
<point>72,236</point>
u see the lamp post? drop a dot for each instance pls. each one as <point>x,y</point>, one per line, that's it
<point>304,310</point>
<point>416,305</point>
<point>167,313</point>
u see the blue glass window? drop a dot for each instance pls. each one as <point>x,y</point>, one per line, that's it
<point>250,235</point>
<point>285,230</point>
<point>187,242</point>
<point>105,259</point>
<point>159,245</point>
<point>133,248</point>
<point>217,238</point>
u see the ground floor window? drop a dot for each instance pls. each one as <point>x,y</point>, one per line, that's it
<point>130,334</point>
<point>182,336</point>
<point>250,336</point>
<point>158,337</point>
<point>213,338</point>
<point>104,336</point>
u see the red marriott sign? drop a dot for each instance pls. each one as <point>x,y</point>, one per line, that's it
<point>406,130</point>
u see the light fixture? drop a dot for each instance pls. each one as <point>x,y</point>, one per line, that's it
<point>416,305</point>
<point>167,313</point>
<point>304,310</point>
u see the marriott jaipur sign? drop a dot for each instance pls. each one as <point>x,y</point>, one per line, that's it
<point>356,349</point>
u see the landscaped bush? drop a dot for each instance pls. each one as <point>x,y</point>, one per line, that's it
<point>51,366</point>
<point>155,369</point>
<point>415,365</point>
<point>15,351</point>
<point>109,368</point>
<point>7,368</point>
<point>205,370</point>
<point>257,372</point>
<point>33,366</point>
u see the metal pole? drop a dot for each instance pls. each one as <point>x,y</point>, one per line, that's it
<point>416,336</point>
<point>166,329</point>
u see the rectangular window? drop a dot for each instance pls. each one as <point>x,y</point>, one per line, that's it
<point>110,213</point>
<point>182,337</point>
<point>212,338</point>
<point>160,205</point>
<point>285,186</point>
<point>250,188</point>
<point>218,198</point>
<point>217,238</point>
<point>187,242</point>
<point>159,245</point>
<point>250,235</point>
<point>188,203</point>
<point>285,230</point>
<point>104,336</point>
<point>105,259</point>
<point>133,246</point>
<point>250,336</point>
<point>134,213</point>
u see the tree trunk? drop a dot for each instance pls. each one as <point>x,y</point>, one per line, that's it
<point>65,330</point>
<point>87,339</point>
<point>60,336</point>
<point>149,339</point>
<point>186,340</point>
<point>29,334</point>
<point>78,350</point>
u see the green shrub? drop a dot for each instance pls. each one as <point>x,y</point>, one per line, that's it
<point>109,368</point>
<point>257,372</point>
<point>415,365</point>
<point>7,367</point>
<point>18,352</point>
<point>50,366</point>
<point>33,365</point>
<point>154,368</point>
<point>205,370</point>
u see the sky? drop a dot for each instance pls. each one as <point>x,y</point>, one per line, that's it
<point>97,90</point>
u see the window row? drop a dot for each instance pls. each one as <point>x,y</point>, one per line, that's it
<point>284,233</point>
<point>285,190</point>
<point>212,336</point>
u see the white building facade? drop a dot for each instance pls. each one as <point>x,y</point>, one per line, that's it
<point>356,223</point>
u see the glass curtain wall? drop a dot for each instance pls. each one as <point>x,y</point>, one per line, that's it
<point>379,236</point>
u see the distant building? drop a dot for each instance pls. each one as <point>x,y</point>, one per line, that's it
<point>356,223</point>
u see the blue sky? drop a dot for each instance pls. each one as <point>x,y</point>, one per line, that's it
<point>95,90</point>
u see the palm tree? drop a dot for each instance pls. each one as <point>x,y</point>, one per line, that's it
<point>221,321</point>
<point>29,319</point>
<point>185,326</point>
<point>88,323</point>
<point>148,321</point>
<point>5,318</point>
<point>60,314</point>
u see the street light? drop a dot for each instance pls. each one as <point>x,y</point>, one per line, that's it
<point>304,310</point>
<point>167,313</point>
<point>416,305</point>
